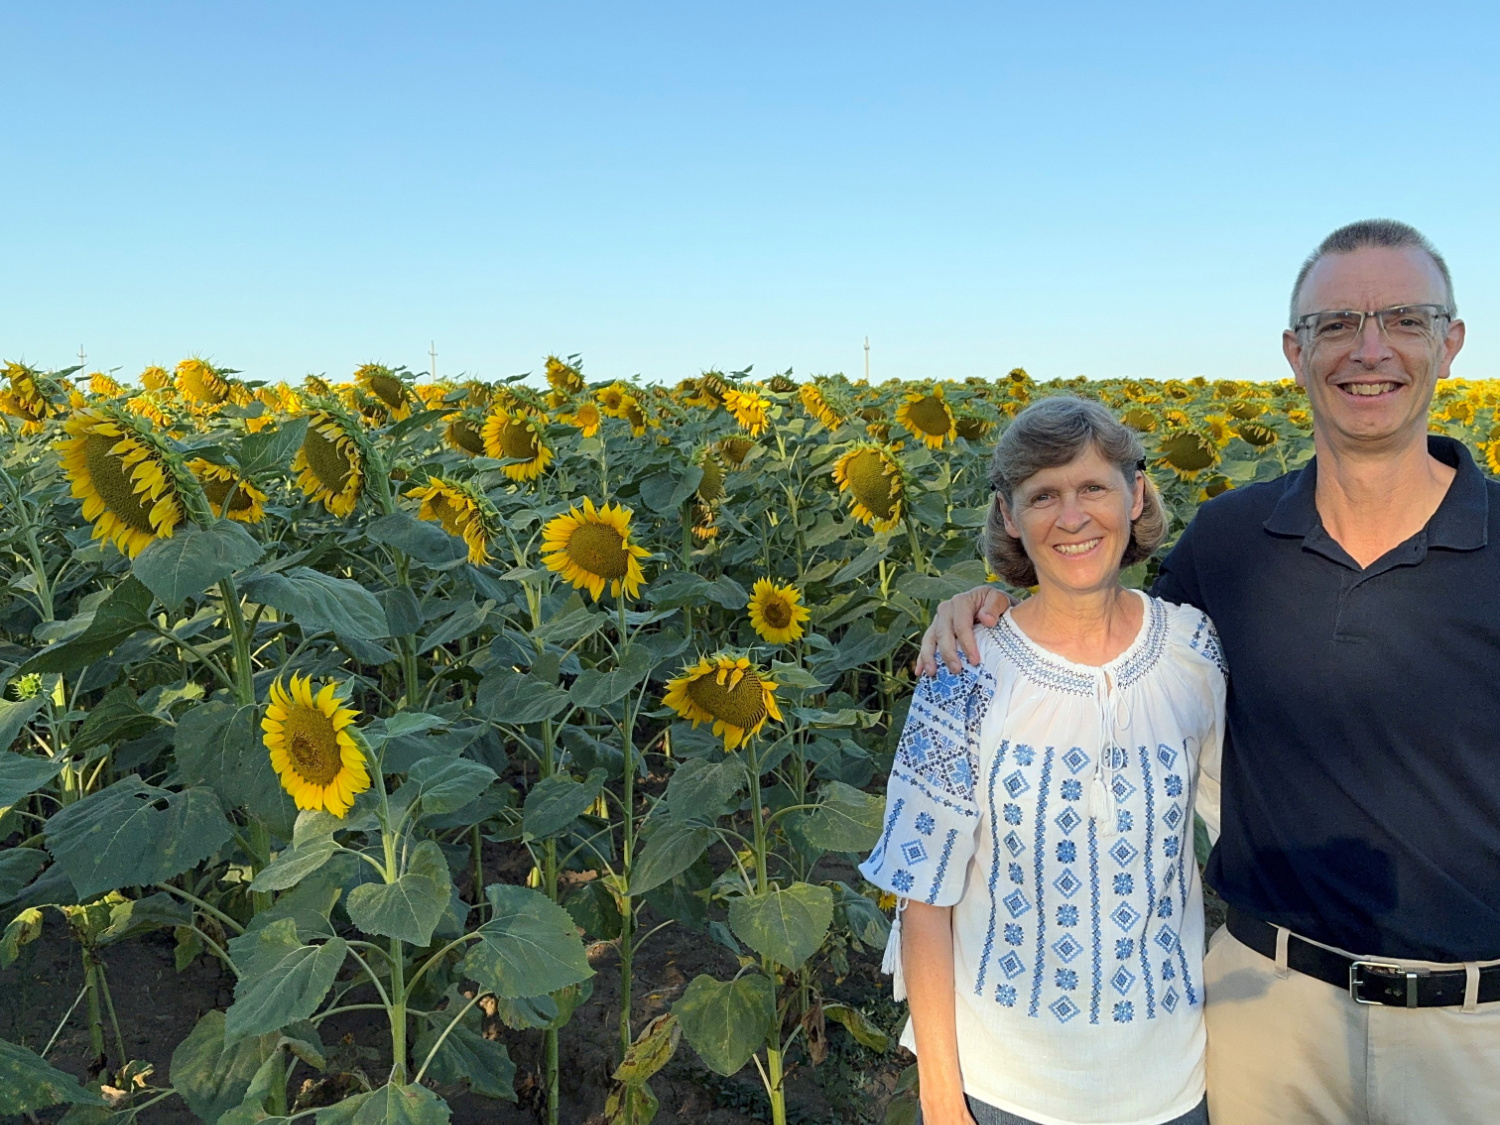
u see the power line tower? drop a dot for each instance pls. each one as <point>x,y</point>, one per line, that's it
<point>432,354</point>
<point>867,359</point>
<point>81,355</point>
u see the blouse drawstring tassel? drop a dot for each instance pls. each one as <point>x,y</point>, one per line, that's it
<point>890,964</point>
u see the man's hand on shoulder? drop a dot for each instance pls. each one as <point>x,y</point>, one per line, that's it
<point>952,628</point>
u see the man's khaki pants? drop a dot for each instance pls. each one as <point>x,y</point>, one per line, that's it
<point>1288,1049</point>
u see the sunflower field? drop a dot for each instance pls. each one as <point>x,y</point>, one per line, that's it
<point>438,703</point>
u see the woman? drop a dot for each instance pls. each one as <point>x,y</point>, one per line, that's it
<point>1039,823</point>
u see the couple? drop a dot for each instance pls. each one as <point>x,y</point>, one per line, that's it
<point>1039,823</point>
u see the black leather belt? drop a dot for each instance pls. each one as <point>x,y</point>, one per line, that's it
<point>1366,981</point>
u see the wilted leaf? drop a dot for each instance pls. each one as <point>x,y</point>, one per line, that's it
<point>786,925</point>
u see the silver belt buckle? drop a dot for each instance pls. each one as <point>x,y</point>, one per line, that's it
<point>1356,980</point>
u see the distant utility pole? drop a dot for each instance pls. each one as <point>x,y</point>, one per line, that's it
<point>867,359</point>
<point>81,355</point>
<point>432,352</point>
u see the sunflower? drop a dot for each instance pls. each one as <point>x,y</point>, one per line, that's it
<point>1257,434</point>
<point>1491,455</point>
<point>1216,426</point>
<point>330,464</point>
<point>517,434</point>
<point>311,748</point>
<point>707,390</point>
<point>155,378</point>
<point>736,449</point>
<point>221,483</point>
<point>1177,419</point>
<point>591,548</point>
<point>105,386</point>
<point>777,612</point>
<point>1217,484</point>
<point>783,384</point>
<point>1245,409</point>
<point>704,527</point>
<point>613,398</point>
<point>587,418</point>
<point>1460,411</point>
<point>636,415</point>
<point>873,480</point>
<point>1299,417</point>
<point>971,427</point>
<point>317,385</point>
<point>387,388</point>
<point>25,399</point>
<point>126,484</point>
<point>749,410</point>
<point>817,406</point>
<point>564,377</point>
<point>727,691</point>
<point>201,385</point>
<point>462,511</point>
<point>1187,453</point>
<point>464,435</point>
<point>144,406</point>
<point>1140,419</point>
<point>711,487</point>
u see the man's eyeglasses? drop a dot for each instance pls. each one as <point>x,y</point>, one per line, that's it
<point>1408,324</point>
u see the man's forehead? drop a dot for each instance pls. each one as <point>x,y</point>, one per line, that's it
<point>1372,277</point>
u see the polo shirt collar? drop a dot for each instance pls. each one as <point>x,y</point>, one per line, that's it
<point>1461,522</point>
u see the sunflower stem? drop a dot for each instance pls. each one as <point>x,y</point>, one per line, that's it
<point>772,1076</point>
<point>627,854</point>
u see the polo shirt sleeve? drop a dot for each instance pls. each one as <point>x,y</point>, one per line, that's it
<point>932,809</point>
<point>1177,580</point>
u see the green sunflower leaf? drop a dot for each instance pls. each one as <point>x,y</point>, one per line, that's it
<point>528,947</point>
<point>28,1083</point>
<point>727,1021</point>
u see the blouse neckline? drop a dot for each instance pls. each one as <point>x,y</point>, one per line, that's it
<point>1122,671</point>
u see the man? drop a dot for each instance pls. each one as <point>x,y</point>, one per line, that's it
<point>1358,603</point>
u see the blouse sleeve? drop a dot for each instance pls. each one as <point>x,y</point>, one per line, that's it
<point>931,810</point>
<point>1205,643</point>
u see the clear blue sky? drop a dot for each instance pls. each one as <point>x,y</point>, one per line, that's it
<point>1100,189</point>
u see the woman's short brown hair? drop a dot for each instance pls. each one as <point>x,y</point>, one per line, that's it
<point>1050,433</point>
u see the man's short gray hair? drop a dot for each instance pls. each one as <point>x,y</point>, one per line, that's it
<point>1050,433</point>
<point>1385,233</point>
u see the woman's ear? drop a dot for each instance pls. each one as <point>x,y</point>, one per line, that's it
<point>1010,525</point>
<point>1138,505</point>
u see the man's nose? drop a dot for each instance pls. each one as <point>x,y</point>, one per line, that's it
<point>1372,347</point>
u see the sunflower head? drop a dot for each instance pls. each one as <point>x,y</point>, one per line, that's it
<point>782,384</point>
<point>711,487</point>
<point>201,385</point>
<point>1245,409</point>
<point>1299,418</point>
<point>1215,485</point>
<point>105,385</point>
<point>1187,453</point>
<point>465,434</point>
<point>517,434</point>
<point>727,691</point>
<point>1257,434</point>
<point>126,480</point>
<point>387,388</point>
<point>636,415</point>
<point>330,466</point>
<point>872,478</point>
<point>311,747</point>
<point>817,406</point>
<point>776,612</point>
<point>155,378</point>
<point>462,511</point>
<point>928,418</point>
<point>587,418</point>
<point>749,409</point>
<point>223,486</point>
<point>707,390</point>
<point>591,548</point>
<point>565,377</point>
<point>971,427</point>
<point>613,399</point>
<point>1140,419</point>
<point>29,397</point>
<point>736,449</point>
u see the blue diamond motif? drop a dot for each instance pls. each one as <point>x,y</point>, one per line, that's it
<point>1016,903</point>
<point>1016,783</point>
<point>1166,755</point>
<point>1011,965</point>
<point>1067,883</point>
<point>914,852</point>
<point>1123,980</point>
<point>1121,788</point>
<point>1064,1009</point>
<point>1173,816</point>
<point>1075,759</point>
<point>1166,938</point>
<point>1169,999</point>
<point>1125,916</point>
<point>1068,820</point>
<point>1123,852</point>
<point>1013,844</point>
<point>1067,947</point>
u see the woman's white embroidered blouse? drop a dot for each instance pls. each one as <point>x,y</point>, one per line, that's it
<point>1051,804</point>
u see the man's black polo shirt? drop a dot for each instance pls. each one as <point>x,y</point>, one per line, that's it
<point>1361,779</point>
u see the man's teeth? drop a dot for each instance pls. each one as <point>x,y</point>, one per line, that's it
<point>1369,389</point>
<point>1076,548</point>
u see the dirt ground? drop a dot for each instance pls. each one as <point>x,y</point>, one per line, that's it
<point>157,1007</point>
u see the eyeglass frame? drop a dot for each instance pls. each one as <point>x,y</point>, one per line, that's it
<point>1305,322</point>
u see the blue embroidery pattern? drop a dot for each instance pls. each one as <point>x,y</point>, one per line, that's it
<point>1041,851</point>
<point>989,936</point>
<point>936,749</point>
<point>1206,641</point>
<point>925,823</point>
<point>1094,916</point>
<point>1150,652</point>
<point>1067,851</point>
<point>1041,672</point>
<point>913,851</point>
<point>1124,1011</point>
<point>937,881</point>
<point>1066,979</point>
<point>1150,879</point>
<point>902,880</point>
<point>1005,994</point>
